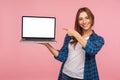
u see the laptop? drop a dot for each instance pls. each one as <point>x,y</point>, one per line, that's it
<point>38,29</point>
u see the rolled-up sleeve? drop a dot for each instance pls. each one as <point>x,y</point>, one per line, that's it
<point>93,46</point>
<point>63,52</point>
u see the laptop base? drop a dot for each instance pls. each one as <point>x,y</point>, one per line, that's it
<point>52,41</point>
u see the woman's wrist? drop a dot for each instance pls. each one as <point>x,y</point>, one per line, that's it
<point>76,34</point>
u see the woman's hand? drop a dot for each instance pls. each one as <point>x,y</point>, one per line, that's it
<point>45,44</point>
<point>70,32</point>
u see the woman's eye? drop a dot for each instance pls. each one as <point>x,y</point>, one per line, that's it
<point>80,18</point>
<point>86,17</point>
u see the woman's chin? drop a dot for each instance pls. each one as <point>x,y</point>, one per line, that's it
<point>86,28</point>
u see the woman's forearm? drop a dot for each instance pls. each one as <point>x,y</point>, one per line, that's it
<point>52,50</point>
<point>80,39</point>
<point>72,32</point>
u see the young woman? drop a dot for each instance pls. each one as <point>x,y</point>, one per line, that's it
<point>80,47</point>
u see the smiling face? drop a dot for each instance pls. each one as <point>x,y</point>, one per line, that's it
<point>84,21</point>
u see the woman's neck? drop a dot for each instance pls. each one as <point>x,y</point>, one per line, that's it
<point>87,32</point>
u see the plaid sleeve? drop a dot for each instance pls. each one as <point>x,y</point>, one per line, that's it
<point>63,52</point>
<point>93,46</point>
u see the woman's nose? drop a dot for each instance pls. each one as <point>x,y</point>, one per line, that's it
<point>84,21</point>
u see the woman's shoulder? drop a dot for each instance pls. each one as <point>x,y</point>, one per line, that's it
<point>67,38</point>
<point>95,36</point>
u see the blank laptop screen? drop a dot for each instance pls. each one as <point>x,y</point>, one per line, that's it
<point>38,27</point>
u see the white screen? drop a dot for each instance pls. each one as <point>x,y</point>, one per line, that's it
<point>38,27</point>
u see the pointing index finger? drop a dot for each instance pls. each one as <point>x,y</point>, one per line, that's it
<point>65,29</point>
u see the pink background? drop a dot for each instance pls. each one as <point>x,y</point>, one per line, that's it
<point>30,61</point>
